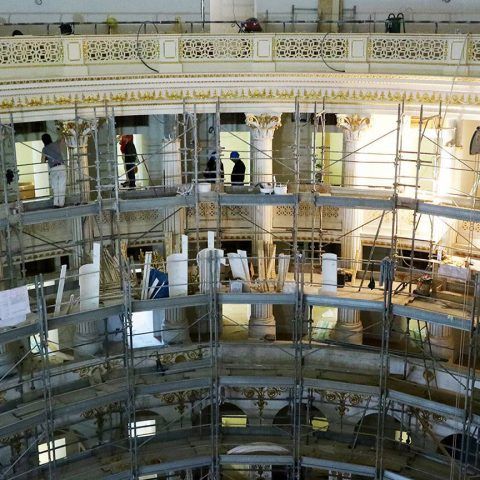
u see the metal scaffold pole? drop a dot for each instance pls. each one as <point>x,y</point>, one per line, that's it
<point>214,319</point>
<point>129,364</point>
<point>46,376</point>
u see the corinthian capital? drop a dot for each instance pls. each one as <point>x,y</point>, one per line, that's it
<point>263,125</point>
<point>76,133</point>
<point>352,125</point>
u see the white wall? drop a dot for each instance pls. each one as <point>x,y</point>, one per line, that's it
<point>124,10</point>
<point>442,10</point>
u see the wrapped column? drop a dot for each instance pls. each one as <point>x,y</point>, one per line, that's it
<point>87,340</point>
<point>175,327</point>
<point>263,126</point>
<point>349,327</point>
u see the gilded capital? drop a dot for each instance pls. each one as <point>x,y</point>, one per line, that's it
<point>352,125</point>
<point>263,125</point>
<point>76,133</point>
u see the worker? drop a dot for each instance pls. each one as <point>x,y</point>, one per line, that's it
<point>210,172</point>
<point>238,172</point>
<point>52,154</point>
<point>127,147</point>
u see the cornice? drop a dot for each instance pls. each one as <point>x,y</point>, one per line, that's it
<point>166,89</point>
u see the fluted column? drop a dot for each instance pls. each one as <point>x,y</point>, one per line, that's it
<point>349,327</point>
<point>76,136</point>
<point>263,126</point>
<point>175,327</point>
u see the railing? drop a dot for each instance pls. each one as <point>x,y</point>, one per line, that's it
<point>445,50</point>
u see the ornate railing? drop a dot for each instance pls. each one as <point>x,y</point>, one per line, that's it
<point>451,50</point>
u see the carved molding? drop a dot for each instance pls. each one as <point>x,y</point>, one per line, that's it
<point>343,400</point>
<point>261,395</point>
<point>76,131</point>
<point>182,398</point>
<point>352,125</point>
<point>264,124</point>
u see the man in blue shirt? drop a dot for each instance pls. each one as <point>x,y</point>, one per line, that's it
<point>238,172</point>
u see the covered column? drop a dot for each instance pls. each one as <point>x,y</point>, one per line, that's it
<point>87,339</point>
<point>262,321</point>
<point>441,336</point>
<point>349,327</point>
<point>175,325</point>
<point>76,136</point>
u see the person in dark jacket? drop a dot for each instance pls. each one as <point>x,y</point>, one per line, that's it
<point>238,172</point>
<point>127,147</point>
<point>210,172</point>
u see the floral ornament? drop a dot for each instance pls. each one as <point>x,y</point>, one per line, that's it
<point>261,394</point>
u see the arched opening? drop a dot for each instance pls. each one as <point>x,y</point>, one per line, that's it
<point>230,416</point>
<point>145,425</point>
<point>458,443</point>
<point>366,431</point>
<point>310,417</point>
<point>251,471</point>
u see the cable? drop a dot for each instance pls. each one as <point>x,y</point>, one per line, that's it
<point>139,55</point>
<point>323,58</point>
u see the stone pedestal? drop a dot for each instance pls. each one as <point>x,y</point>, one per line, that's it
<point>263,126</point>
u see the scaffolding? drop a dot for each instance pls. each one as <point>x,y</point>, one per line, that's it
<point>304,413</point>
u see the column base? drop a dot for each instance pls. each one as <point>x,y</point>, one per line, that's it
<point>441,348</point>
<point>175,334</point>
<point>6,364</point>
<point>262,328</point>
<point>86,344</point>
<point>348,333</point>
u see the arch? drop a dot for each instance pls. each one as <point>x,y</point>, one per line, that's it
<point>226,409</point>
<point>457,443</point>
<point>310,417</point>
<point>366,430</point>
<point>147,423</point>
<point>267,472</point>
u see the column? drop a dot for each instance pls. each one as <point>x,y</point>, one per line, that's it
<point>349,327</point>
<point>6,360</point>
<point>441,342</point>
<point>446,183</point>
<point>175,326</point>
<point>76,136</point>
<point>263,126</point>
<point>441,337</point>
<point>87,339</point>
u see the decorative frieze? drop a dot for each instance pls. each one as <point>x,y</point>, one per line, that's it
<point>182,398</point>
<point>261,395</point>
<point>343,400</point>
